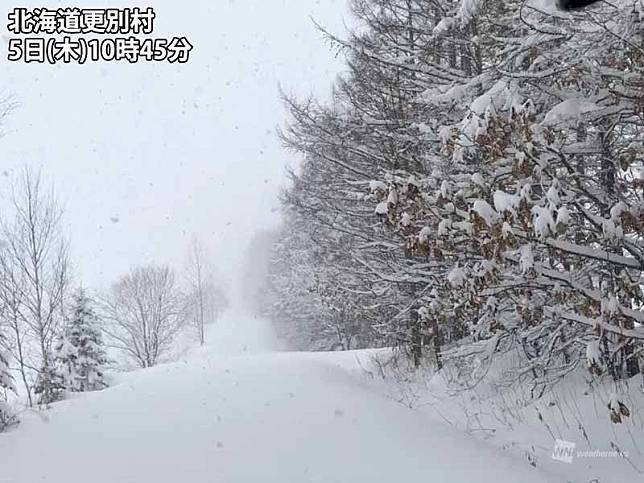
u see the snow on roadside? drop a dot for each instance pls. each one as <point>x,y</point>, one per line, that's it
<point>507,417</point>
<point>229,413</point>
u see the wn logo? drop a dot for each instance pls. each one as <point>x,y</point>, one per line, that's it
<point>564,451</point>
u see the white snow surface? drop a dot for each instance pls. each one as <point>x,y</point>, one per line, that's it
<point>569,110</point>
<point>238,410</point>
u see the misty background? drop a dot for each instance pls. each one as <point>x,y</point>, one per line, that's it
<point>148,156</point>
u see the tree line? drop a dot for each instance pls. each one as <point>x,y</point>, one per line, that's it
<point>55,338</point>
<point>473,190</point>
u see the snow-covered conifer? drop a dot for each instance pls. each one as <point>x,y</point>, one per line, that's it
<point>79,353</point>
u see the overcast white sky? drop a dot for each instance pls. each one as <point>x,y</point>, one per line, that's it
<point>171,151</point>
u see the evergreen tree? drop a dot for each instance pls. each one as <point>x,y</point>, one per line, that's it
<point>79,354</point>
<point>49,386</point>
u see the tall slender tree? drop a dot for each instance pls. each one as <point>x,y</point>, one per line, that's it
<point>37,252</point>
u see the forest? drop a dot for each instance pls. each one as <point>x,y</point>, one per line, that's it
<point>474,188</point>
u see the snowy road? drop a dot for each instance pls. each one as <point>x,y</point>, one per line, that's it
<point>249,416</point>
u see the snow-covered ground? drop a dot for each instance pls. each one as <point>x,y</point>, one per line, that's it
<point>575,411</point>
<point>237,410</point>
